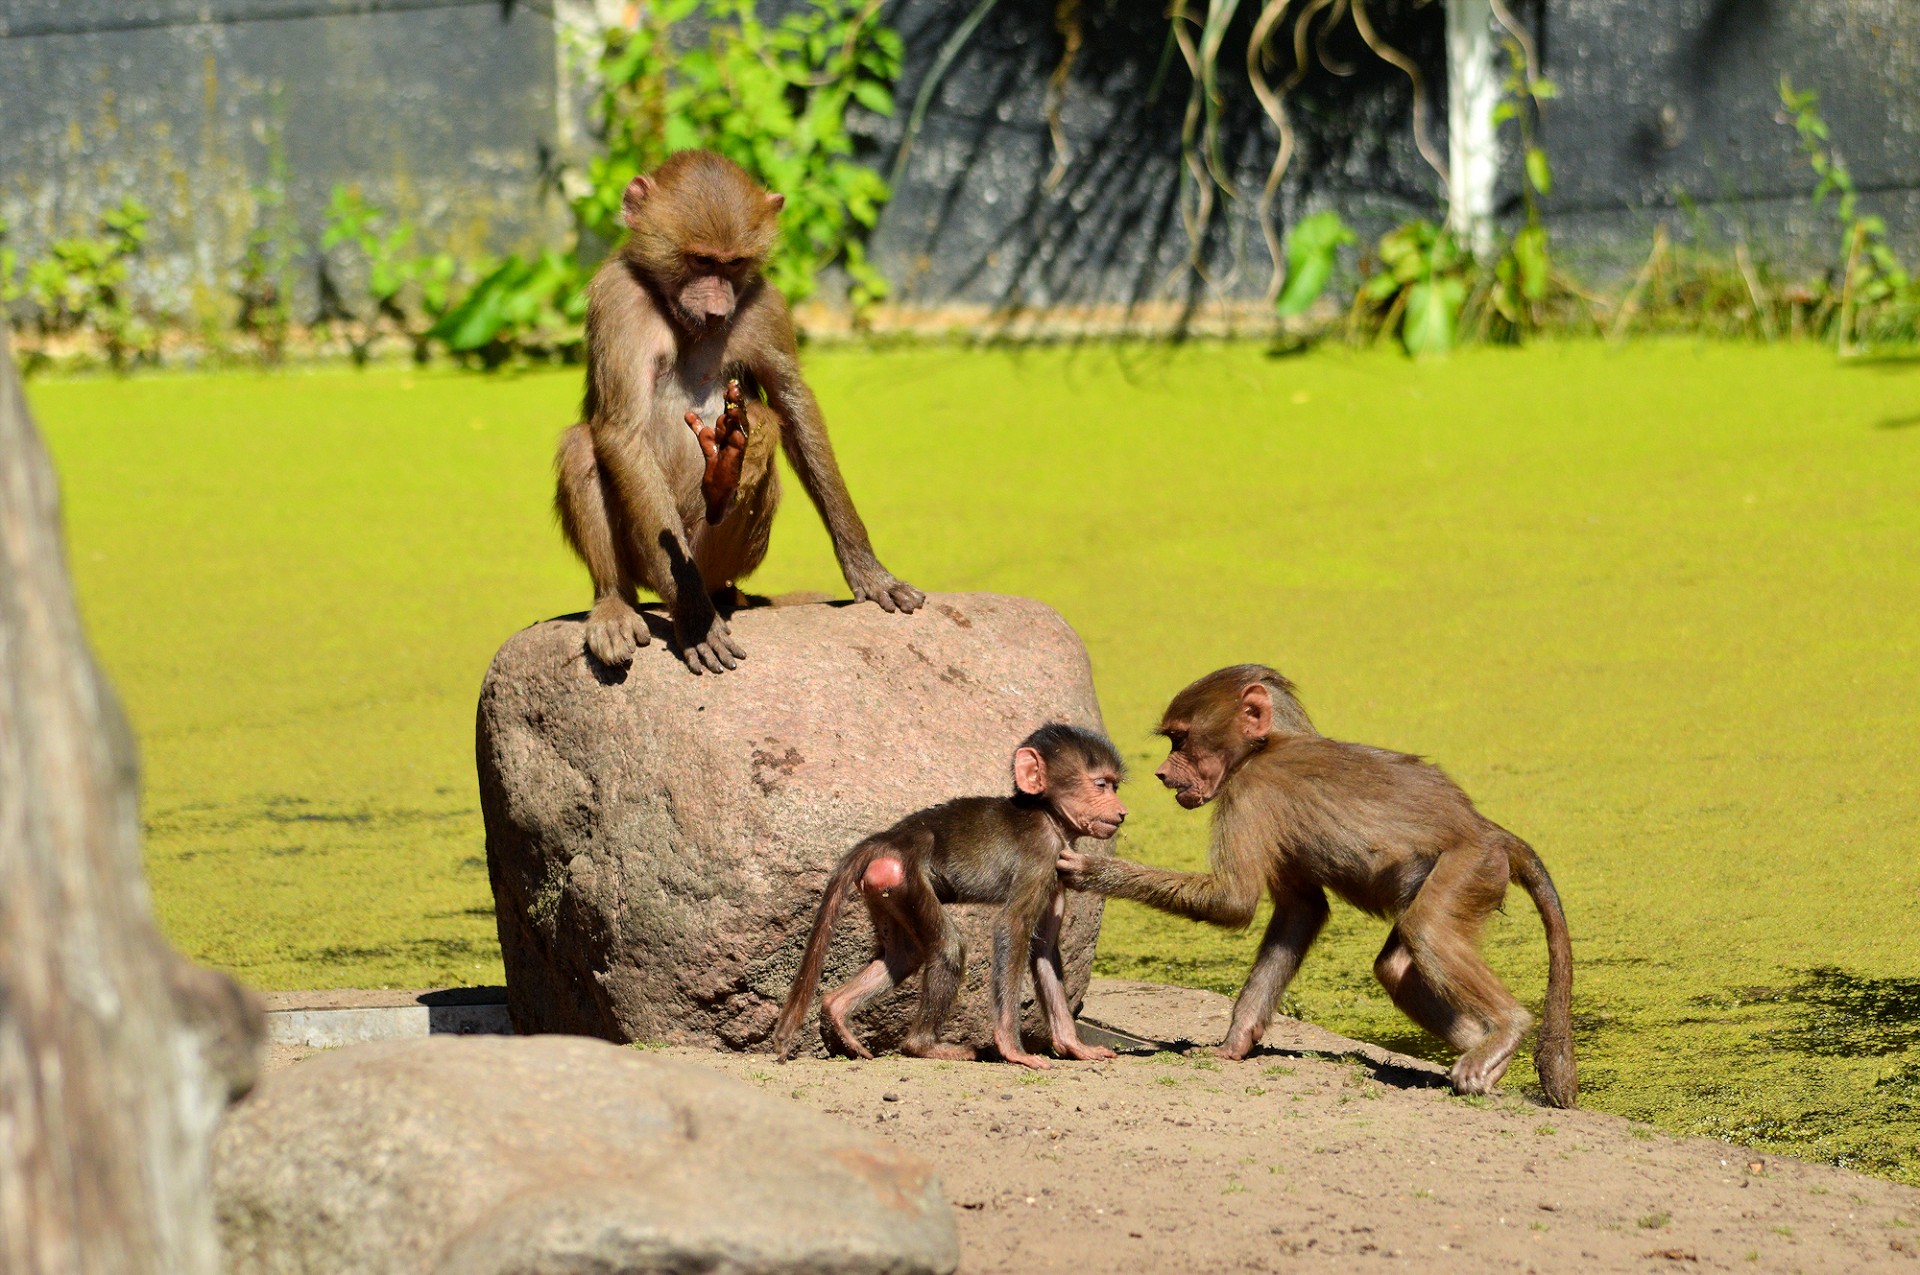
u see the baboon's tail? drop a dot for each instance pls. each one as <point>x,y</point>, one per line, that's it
<point>800,995</point>
<point>1553,1051</point>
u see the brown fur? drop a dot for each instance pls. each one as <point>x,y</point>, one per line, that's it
<point>1299,814</point>
<point>973,850</point>
<point>673,315</point>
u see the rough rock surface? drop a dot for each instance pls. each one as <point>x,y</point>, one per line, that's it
<point>657,841</point>
<point>556,1155</point>
<point>116,1053</point>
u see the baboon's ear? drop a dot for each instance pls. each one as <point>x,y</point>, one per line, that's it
<point>1256,711</point>
<point>1030,772</point>
<point>776,202</point>
<point>638,191</point>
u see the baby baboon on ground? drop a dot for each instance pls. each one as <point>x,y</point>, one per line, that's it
<point>973,850</point>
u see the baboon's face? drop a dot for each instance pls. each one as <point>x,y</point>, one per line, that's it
<point>1210,727</point>
<point>1193,769</point>
<point>1091,803</point>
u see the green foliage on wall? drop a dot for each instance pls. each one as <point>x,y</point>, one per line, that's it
<point>1877,295</point>
<point>80,285</point>
<point>774,99</point>
<point>406,291</point>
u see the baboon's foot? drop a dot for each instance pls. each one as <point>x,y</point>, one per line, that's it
<point>1479,1070</point>
<point>1240,1042</point>
<point>833,1018</point>
<point>1010,1051</point>
<point>1080,1051</point>
<point>615,631</point>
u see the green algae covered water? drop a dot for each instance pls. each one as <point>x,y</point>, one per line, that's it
<point>1657,608</point>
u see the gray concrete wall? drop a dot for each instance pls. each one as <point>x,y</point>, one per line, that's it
<point>1669,113</point>
<point>446,110</point>
<point>1669,102</point>
<point>441,109</point>
<point>973,222</point>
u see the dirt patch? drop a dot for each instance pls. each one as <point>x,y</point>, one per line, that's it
<point>1324,1154</point>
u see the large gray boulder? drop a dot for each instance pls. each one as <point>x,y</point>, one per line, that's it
<point>555,1155</point>
<point>658,841</point>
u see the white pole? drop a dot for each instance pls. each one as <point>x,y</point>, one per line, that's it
<point>1473,143</point>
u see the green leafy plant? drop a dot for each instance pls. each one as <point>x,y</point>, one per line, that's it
<point>11,286</point>
<point>1313,250</point>
<point>1420,288</point>
<point>1523,273</point>
<point>81,285</point>
<point>1872,275</point>
<point>532,307</point>
<point>270,260</point>
<point>1424,285</point>
<point>775,100</point>
<point>405,291</point>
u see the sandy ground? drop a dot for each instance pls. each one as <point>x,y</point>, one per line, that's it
<point>1321,1154</point>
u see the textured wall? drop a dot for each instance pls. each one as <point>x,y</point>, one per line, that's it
<point>442,109</point>
<point>446,110</point>
<point>972,220</point>
<point>1668,102</point>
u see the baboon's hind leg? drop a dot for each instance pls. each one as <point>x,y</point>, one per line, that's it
<point>945,965</point>
<point>1432,968</point>
<point>615,627</point>
<point>896,957</point>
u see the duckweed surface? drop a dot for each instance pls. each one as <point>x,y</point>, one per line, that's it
<point>1657,608</point>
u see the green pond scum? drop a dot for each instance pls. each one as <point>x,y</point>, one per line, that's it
<point>1656,607</point>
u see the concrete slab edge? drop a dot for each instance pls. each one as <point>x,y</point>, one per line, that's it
<point>331,1028</point>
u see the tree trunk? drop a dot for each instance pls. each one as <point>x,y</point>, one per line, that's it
<point>117,1056</point>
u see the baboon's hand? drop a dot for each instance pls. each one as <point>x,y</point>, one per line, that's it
<point>1073,869</point>
<point>877,584</point>
<point>706,644</point>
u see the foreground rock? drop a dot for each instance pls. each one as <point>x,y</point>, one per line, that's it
<point>116,1053</point>
<point>474,1155</point>
<point>658,841</point>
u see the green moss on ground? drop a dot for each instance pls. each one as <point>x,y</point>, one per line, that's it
<point>1658,608</point>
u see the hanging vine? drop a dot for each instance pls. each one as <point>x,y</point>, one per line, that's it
<point>1199,34</point>
<point>1066,20</point>
<point>1262,58</point>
